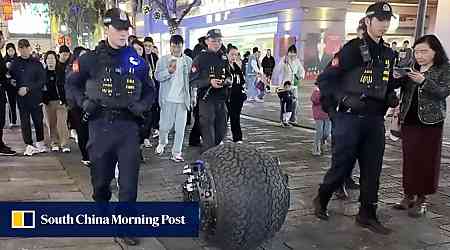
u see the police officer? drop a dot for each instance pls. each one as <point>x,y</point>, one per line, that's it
<point>210,75</point>
<point>359,84</point>
<point>118,92</point>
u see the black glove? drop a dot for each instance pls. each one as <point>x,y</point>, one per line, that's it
<point>45,100</point>
<point>392,100</point>
<point>85,117</point>
<point>354,103</point>
<point>328,104</point>
<point>90,106</point>
<point>137,109</point>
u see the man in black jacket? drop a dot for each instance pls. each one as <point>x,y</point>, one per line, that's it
<point>209,74</point>
<point>30,76</point>
<point>4,150</point>
<point>152,59</point>
<point>268,63</point>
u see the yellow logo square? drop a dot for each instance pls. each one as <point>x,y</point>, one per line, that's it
<point>22,219</point>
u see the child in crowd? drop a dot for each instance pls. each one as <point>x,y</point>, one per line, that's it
<point>286,99</point>
<point>323,123</point>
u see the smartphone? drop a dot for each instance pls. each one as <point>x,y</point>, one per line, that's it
<point>403,71</point>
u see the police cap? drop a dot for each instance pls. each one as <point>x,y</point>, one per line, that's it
<point>380,9</point>
<point>214,33</point>
<point>117,18</point>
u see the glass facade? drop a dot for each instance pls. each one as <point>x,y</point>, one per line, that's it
<point>213,6</point>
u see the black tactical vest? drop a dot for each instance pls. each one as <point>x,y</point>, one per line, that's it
<point>112,87</point>
<point>369,80</point>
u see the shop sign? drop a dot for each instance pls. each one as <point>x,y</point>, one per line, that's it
<point>7,9</point>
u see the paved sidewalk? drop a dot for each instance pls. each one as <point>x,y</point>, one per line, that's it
<point>44,178</point>
<point>160,180</point>
<point>270,110</point>
<point>40,178</point>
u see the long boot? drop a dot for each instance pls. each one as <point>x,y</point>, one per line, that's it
<point>342,193</point>
<point>367,218</point>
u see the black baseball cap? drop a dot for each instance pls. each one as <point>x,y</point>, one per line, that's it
<point>117,18</point>
<point>380,9</point>
<point>214,33</point>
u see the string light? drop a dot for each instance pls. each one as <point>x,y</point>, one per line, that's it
<point>172,29</point>
<point>146,9</point>
<point>157,15</point>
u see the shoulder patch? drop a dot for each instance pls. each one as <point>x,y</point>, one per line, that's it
<point>134,61</point>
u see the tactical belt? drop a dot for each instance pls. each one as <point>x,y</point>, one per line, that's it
<point>342,108</point>
<point>116,114</point>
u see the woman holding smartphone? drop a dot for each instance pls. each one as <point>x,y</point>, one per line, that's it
<point>422,114</point>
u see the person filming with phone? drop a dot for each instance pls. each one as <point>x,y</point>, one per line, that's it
<point>422,113</point>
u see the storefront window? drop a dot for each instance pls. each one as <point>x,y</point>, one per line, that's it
<point>352,21</point>
<point>213,6</point>
<point>244,35</point>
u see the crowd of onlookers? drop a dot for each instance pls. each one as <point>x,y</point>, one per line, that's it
<point>33,84</point>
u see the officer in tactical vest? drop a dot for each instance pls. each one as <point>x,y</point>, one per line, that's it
<point>112,86</point>
<point>358,87</point>
<point>211,76</point>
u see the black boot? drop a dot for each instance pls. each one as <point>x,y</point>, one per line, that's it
<point>341,193</point>
<point>141,156</point>
<point>129,241</point>
<point>351,184</point>
<point>367,218</point>
<point>320,207</point>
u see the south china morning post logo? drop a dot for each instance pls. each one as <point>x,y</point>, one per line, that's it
<point>115,219</point>
<point>85,219</point>
<point>23,219</point>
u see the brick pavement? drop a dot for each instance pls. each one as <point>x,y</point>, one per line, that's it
<point>41,178</point>
<point>160,180</point>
